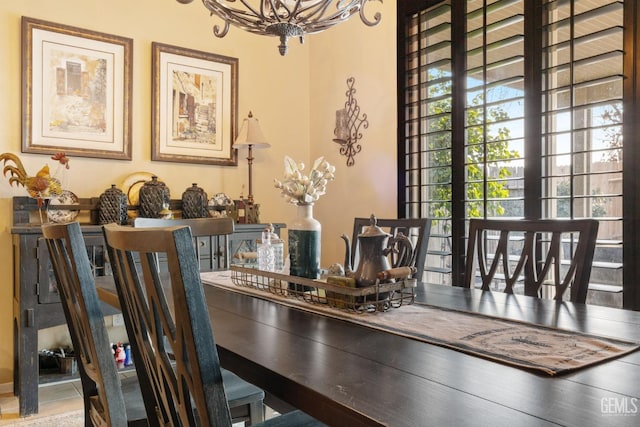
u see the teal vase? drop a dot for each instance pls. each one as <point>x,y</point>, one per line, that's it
<point>304,243</point>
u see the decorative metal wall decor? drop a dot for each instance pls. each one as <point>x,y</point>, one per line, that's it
<point>348,123</point>
<point>285,18</point>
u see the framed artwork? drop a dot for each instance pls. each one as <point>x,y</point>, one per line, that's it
<point>76,92</point>
<point>194,103</point>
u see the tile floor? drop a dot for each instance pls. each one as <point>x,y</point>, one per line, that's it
<point>54,399</point>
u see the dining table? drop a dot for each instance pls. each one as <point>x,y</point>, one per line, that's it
<point>347,374</point>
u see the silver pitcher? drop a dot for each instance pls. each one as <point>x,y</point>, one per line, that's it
<point>374,248</point>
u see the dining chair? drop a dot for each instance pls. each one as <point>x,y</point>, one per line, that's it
<point>211,237</point>
<point>189,392</point>
<point>416,229</point>
<point>211,243</point>
<point>108,399</point>
<point>537,255</point>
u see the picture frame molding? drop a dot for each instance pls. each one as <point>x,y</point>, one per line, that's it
<point>118,117</point>
<point>160,146</point>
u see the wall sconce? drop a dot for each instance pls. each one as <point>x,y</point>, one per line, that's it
<point>348,123</point>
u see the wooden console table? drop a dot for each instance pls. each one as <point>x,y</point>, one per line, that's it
<point>36,303</point>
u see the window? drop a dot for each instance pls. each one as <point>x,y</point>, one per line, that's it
<point>427,166</point>
<point>513,109</point>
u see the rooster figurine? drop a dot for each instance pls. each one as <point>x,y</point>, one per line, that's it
<point>42,185</point>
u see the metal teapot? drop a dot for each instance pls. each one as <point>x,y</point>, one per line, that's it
<point>374,248</point>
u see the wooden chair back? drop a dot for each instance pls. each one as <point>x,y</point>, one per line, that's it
<point>104,401</point>
<point>211,238</point>
<point>416,229</point>
<point>211,243</point>
<point>191,392</point>
<point>533,253</point>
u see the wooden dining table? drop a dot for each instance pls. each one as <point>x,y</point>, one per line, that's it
<point>347,374</point>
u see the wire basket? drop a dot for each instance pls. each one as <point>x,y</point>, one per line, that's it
<point>378,297</point>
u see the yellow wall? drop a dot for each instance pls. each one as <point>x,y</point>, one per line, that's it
<point>294,97</point>
<point>370,185</point>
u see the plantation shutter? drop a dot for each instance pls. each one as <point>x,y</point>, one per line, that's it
<point>427,129</point>
<point>582,123</point>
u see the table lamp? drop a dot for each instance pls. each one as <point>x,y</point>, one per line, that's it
<point>250,136</point>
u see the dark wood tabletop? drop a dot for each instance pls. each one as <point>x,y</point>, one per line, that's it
<point>348,375</point>
<point>345,374</point>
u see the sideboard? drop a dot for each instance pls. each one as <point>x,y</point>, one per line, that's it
<point>36,304</point>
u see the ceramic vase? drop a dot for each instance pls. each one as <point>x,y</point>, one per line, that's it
<point>304,243</point>
<point>194,202</point>
<point>154,198</point>
<point>113,206</point>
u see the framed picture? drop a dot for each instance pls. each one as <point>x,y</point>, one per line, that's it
<point>76,91</point>
<point>194,102</point>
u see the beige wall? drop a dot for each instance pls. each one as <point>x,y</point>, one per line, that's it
<point>369,186</point>
<point>294,97</point>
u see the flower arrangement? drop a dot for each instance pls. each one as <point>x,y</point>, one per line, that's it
<point>297,188</point>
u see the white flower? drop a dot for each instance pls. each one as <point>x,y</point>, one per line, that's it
<point>297,188</point>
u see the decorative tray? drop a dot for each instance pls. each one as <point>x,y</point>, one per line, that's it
<point>378,297</point>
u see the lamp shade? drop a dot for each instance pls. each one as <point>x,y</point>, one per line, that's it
<point>251,134</point>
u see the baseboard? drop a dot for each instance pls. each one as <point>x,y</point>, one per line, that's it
<point>6,388</point>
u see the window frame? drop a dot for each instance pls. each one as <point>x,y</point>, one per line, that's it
<point>532,131</point>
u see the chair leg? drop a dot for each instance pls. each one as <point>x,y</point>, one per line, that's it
<point>250,414</point>
<point>256,413</point>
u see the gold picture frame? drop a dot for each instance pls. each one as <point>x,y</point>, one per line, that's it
<point>194,103</point>
<point>76,92</point>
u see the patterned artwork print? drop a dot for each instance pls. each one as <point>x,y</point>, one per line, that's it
<point>194,107</point>
<point>78,102</point>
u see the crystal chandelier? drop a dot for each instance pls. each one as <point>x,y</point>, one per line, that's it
<point>285,18</point>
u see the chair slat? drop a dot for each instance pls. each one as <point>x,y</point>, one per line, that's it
<point>105,403</point>
<point>538,261</point>
<point>167,318</point>
<point>246,397</point>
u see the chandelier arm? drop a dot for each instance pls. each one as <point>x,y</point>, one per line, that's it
<point>319,19</point>
<point>318,9</point>
<point>272,12</point>
<point>250,7</point>
<point>243,19</point>
<point>218,33</point>
<point>377,17</point>
<point>231,14</point>
<point>285,18</point>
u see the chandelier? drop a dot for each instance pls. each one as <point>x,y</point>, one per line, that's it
<point>285,18</point>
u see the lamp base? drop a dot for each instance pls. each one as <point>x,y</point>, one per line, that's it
<point>243,212</point>
<point>253,213</point>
